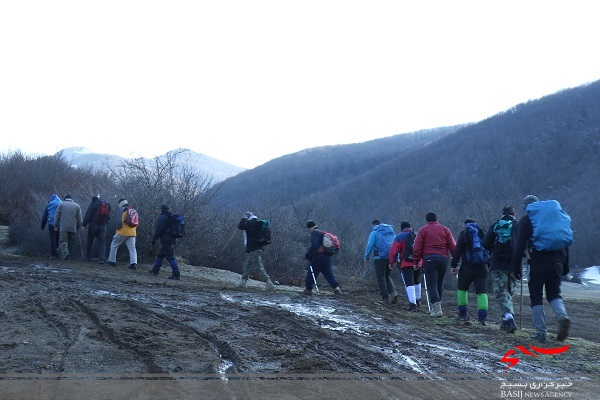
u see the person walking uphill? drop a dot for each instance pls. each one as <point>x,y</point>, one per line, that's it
<point>403,248</point>
<point>48,218</point>
<point>251,226</point>
<point>97,216</point>
<point>320,261</point>
<point>125,234</point>
<point>473,269</point>
<point>548,260</point>
<point>379,243</point>
<point>499,241</point>
<point>162,231</point>
<point>433,244</point>
<point>67,222</point>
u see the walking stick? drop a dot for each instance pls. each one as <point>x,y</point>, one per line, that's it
<point>426,292</point>
<point>80,244</point>
<point>314,279</point>
<point>521,308</point>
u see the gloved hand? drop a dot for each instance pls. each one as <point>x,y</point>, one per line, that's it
<point>518,274</point>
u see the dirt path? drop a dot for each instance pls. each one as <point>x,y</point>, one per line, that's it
<point>62,318</point>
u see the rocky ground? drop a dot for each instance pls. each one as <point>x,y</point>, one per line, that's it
<point>70,328</point>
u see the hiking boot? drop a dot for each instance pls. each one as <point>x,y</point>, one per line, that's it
<point>418,305</point>
<point>511,327</point>
<point>394,299</point>
<point>307,292</point>
<point>133,266</point>
<point>412,307</point>
<point>563,329</point>
<point>482,322</point>
<point>540,337</point>
<point>463,317</point>
<point>112,264</point>
<point>101,262</point>
<point>337,291</point>
<point>436,310</point>
<point>385,301</point>
<point>270,285</point>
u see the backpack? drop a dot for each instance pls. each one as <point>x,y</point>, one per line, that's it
<point>102,214</point>
<point>409,243</point>
<point>132,217</point>
<point>384,237</point>
<point>503,244</point>
<point>475,254</point>
<point>176,225</point>
<point>551,225</point>
<point>331,243</point>
<point>264,233</point>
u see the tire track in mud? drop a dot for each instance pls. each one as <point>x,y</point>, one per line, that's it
<point>144,355</point>
<point>57,360</point>
<point>223,349</point>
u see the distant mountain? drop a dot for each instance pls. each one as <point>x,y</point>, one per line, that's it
<point>219,170</point>
<point>548,147</point>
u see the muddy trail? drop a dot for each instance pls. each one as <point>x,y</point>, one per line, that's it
<point>66,319</point>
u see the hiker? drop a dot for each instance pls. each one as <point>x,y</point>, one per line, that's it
<point>125,233</point>
<point>162,231</point>
<point>320,261</point>
<point>48,218</point>
<point>97,216</point>
<point>545,270</point>
<point>499,241</point>
<point>402,249</point>
<point>67,222</point>
<point>379,243</point>
<point>251,227</point>
<point>473,269</point>
<point>434,244</point>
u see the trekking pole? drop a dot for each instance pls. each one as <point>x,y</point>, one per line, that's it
<point>426,292</point>
<point>314,279</point>
<point>80,244</point>
<point>521,308</point>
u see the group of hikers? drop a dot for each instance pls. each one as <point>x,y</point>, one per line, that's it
<point>542,235</point>
<point>64,220</point>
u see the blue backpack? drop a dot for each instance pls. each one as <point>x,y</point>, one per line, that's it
<point>384,237</point>
<point>551,225</point>
<point>475,254</point>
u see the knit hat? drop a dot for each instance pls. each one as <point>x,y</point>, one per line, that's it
<point>123,203</point>
<point>311,224</point>
<point>529,199</point>
<point>95,198</point>
<point>164,207</point>
<point>508,210</point>
<point>68,197</point>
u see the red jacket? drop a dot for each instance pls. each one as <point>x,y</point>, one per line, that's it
<point>398,248</point>
<point>433,238</point>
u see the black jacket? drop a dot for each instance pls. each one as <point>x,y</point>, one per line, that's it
<point>523,244</point>
<point>252,228</point>
<point>462,247</point>
<point>490,240</point>
<point>162,229</point>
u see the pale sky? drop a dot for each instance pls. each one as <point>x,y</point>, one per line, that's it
<point>249,81</point>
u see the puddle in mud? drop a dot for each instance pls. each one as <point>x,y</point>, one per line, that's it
<point>325,316</point>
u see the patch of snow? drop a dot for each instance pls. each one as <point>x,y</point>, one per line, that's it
<point>592,275</point>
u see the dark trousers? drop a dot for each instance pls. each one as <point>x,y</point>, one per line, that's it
<point>97,232</point>
<point>411,276</point>
<point>321,264</point>
<point>435,268</point>
<point>476,275</point>
<point>544,275</point>
<point>53,235</point>
<point>384,281</point>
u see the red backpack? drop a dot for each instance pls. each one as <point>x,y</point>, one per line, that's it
<point>132,217</point>
<point>102,214</point>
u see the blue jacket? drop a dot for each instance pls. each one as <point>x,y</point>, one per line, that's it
<point>50,211</point>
